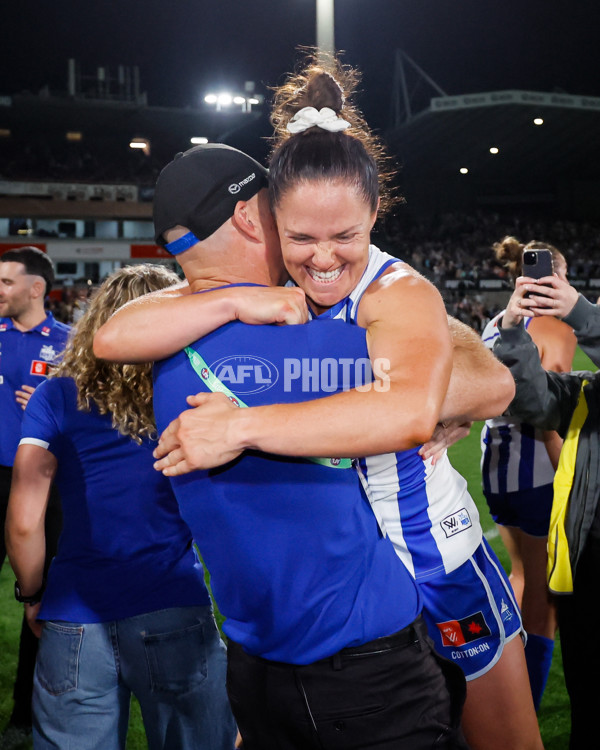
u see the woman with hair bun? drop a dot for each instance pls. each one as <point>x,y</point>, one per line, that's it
<point>518,466</point>
<point>124,609</point>
<point>327,174</point>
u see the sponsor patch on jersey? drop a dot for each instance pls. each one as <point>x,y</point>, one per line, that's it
<point>3,327</point>
<point>46,331</point>
<point>48,353</point>
<point>38,367</point>
<point>459,632</point>
<point>456,522</point>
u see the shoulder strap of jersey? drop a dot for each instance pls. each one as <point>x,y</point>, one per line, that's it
<point>214,384</point>
<point>377,264</point>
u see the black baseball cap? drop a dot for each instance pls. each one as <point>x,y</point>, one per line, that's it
<point>199,189</point>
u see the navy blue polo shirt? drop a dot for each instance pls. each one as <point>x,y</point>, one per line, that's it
<point>25,357</point>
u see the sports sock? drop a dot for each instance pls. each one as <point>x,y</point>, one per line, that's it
<point>538,654</point>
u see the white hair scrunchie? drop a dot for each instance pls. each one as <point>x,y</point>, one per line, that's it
<point>309,117</point>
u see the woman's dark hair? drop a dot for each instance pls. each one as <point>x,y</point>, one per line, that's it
<point>509,253</point>
<point>354,155</point>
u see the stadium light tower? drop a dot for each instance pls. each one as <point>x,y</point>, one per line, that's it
<point>325,33</point>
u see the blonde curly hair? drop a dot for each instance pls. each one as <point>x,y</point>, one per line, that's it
<point>355,155</point>
<point>123,391</point>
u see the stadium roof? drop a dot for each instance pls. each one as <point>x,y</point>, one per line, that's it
<point>457,132</point>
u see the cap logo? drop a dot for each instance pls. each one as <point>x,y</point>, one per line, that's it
<point>237,186</point>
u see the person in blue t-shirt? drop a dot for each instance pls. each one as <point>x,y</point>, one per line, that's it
<point>327,646</point>
<point>30,340</point>
<point>124,608</point>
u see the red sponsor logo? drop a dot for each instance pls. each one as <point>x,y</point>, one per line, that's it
<point>459,632</point>
<point>38,367</point>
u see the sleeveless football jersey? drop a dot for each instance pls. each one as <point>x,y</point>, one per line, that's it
<point>514,456</point>
<point>425,509</point>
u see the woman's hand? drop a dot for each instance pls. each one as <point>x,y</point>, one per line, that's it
<point>555,298</point>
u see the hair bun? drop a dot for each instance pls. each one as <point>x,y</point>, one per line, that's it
<point>322,90</point>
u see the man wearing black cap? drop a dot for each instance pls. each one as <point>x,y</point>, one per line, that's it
<point>326,645</point>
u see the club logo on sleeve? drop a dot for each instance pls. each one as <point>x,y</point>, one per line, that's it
<point>456,522</point>
<point>459,632</point>
<point>38,368</point>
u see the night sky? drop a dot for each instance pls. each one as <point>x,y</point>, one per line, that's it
<point>186,47</point>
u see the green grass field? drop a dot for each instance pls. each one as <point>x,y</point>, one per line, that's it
<point>554,712</point>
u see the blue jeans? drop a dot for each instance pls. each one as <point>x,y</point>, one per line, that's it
<point>172,660</point>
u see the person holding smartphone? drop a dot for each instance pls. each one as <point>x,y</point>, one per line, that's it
<point>519,462</point>
<point>569,404</point>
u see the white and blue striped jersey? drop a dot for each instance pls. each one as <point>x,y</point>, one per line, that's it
<point>425,510</point>
<point>514,456</point>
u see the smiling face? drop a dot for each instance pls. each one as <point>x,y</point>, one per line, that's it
<point>324,228</point>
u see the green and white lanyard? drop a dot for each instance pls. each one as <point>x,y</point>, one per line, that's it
<point>215,385</point>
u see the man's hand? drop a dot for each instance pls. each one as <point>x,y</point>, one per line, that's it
<point>23,396</point>
<point>445,434</point>
<point>275,304</point>
<point>200,438</point>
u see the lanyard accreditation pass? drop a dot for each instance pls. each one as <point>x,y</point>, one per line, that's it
<point>215,385</point>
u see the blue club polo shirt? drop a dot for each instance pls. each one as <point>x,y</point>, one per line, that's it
<point>25,357</point>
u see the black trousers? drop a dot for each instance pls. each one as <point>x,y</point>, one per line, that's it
<point>28,643</point>
<point>392,693</point>
<point>578,615</point>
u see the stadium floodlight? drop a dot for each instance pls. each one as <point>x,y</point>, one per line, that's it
<point>494,150</point>
<point>143,144</point>
<point>538,121</point>
<point>198,140</point>
<point>225,100</point>
<point>464,170</point>
<point>325,26</point>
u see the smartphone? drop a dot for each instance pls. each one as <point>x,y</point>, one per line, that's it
<point>537,264</point>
